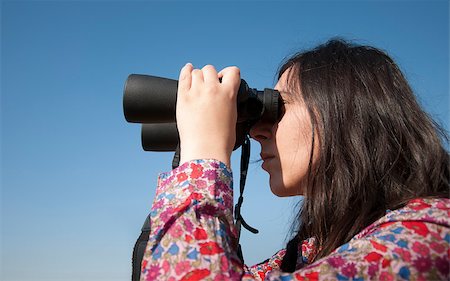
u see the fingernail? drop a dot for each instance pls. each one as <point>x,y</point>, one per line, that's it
<point>188,64</point>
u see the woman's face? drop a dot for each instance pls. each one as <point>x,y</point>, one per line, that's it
<point>286,145</point>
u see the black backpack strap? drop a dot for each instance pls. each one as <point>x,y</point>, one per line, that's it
<point>139,249</point>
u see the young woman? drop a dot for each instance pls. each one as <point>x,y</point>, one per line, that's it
<point>351,139</point>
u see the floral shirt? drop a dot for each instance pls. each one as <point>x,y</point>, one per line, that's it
<point>193,237</point>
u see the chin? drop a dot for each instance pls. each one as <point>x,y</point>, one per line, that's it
<point>281,190</point>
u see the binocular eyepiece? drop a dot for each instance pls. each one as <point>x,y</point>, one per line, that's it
<point>151,100</point>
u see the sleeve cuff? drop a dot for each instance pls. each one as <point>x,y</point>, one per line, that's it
<point>208,177</point>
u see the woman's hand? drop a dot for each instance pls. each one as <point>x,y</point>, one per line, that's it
<point>206,112</point>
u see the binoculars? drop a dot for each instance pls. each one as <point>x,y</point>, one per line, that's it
<point>151,101</point>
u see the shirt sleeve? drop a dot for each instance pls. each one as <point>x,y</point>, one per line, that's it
<point>193,235</point>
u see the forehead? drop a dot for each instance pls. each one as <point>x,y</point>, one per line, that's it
<point>288,85</point>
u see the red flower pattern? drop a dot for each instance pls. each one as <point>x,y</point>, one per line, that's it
<point>378,246</point>
<point>373,257</point>
<point>210,248</point>
<point>196,274</point>
<point>182,177</point>
<point>197,170</point>
<point>200,234</point>
<point>418,227</point>
<point>420,248</point>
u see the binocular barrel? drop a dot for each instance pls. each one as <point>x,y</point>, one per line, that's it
<point>151,100</point>
<point>159,137</point>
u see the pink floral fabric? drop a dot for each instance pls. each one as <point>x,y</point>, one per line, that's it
<point>193,237</point>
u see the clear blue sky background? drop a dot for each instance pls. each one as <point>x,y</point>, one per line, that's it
<point>76,185</point>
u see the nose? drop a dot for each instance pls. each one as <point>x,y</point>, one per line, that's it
<point>261,131</point>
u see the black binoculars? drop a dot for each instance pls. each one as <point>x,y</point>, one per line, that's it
<point>151,100</point>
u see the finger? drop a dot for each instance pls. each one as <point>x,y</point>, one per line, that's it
<point>184,82</point>
<point>210,74</point>
<point>197,77</point>
<point>231,77</point>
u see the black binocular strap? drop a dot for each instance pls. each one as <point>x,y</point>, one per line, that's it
<point>245,157</point>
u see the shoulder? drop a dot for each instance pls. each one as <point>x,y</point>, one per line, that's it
<point>418,214</point>
<point>410,242</point>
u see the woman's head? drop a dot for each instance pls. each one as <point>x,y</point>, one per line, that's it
<point>367,122</point>
<point>371,147</point>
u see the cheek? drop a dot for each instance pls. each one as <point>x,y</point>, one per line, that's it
<point>294,141</point>
<point>294,147</point>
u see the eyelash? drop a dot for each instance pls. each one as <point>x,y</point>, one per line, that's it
<point>281,108</point>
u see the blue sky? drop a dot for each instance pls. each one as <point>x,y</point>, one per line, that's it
<point>75,183</point>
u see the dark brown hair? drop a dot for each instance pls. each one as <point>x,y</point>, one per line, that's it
<point>378,148</point>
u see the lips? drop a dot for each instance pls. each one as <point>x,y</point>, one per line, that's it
<point>266,160</point>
